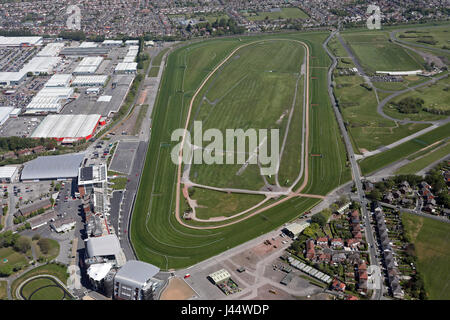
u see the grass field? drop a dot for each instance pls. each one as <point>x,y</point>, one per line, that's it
<point>3,290</point>
<point>380,160</point>
<point>433,37</point>
<point>376,53</point>
<point>213,203</point>
<point>368,129</point>
<point>436,97</point>
<point>153,73</point>
<point>255,90</point>
<point>53,269</point>
<point>284,13</point>
<point>431,239</point>
<point>13,258</point>
<point>156,61</point>
<point>44,288</point>
<point>52,252</point>
<point>141,115</point>
<point>422,162</point>
<point>156,235</point>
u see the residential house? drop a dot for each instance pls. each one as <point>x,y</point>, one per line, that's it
<point>322,241</point>
<point>353,243</point>
<point>335,243</point>
<point>310,250</point>
<point>338,285</point>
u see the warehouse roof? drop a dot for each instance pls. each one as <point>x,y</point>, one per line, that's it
<point>59,80</point>
<point>89,80</point>
<point>136,273</point>
<point>112,42</point>
<point>126,66</point>
<point>51,49</point>
<point>67,126</point>
<point>7,172</point>
<point>53,167</point>
<point>17,41</point>
<point>41,64</point>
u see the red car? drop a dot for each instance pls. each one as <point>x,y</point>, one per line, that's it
<point>187,275</point>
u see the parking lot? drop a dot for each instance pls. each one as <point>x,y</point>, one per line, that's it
<point>20,127</point>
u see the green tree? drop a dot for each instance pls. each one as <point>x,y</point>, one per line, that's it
<point>23,244</point>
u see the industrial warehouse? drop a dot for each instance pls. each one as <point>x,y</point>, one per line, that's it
<point>67,128</point>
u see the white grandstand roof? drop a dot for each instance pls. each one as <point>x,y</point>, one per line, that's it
<point>59,80</point>
<point>51,49</point>
<point>103,246</point>
<point>67,126</point>
<point>98,271</point>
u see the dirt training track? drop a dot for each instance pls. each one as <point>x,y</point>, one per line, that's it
<point>297,192</point>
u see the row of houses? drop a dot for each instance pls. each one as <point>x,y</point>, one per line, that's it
<point>387,252</point>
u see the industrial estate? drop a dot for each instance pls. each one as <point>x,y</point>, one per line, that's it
<point>98,203</point>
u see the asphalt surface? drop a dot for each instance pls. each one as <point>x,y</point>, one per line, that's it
<point>378,293</point>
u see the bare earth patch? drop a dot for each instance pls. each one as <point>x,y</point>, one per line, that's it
<point>177,289</point>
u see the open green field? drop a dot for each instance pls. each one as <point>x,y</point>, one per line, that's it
<point>380,160</point>
<point>368,129</point>
<point>3,290</point>
<point>213,203</point>
<point>10,257</point>
<point>156,235</point>
<point>256,90</point>
<point>44,288</point>
<point>118,183</point>
<point>52,252</point>
<point>153,73</point>
<point>156,61</point>
<point>56,270</point>
<point>436,98</point>
<point>284,13</point>
<point>422,162</point>
<point>431,239</point>
<point>376,53</point>
<point>433,37</point>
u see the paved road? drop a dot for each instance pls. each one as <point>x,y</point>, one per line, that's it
<point>397,93</point>
<point>378,293</point>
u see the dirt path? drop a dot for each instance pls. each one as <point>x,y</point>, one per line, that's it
<point>306,146</point>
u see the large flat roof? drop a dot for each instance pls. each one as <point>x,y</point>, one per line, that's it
<point>17,41</point>
<point>103,246</point>
<point>53,167</point>
<point>67,126</point>
<point>136,273</point>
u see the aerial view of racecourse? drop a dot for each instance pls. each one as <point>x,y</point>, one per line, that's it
<point>225,158</point>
